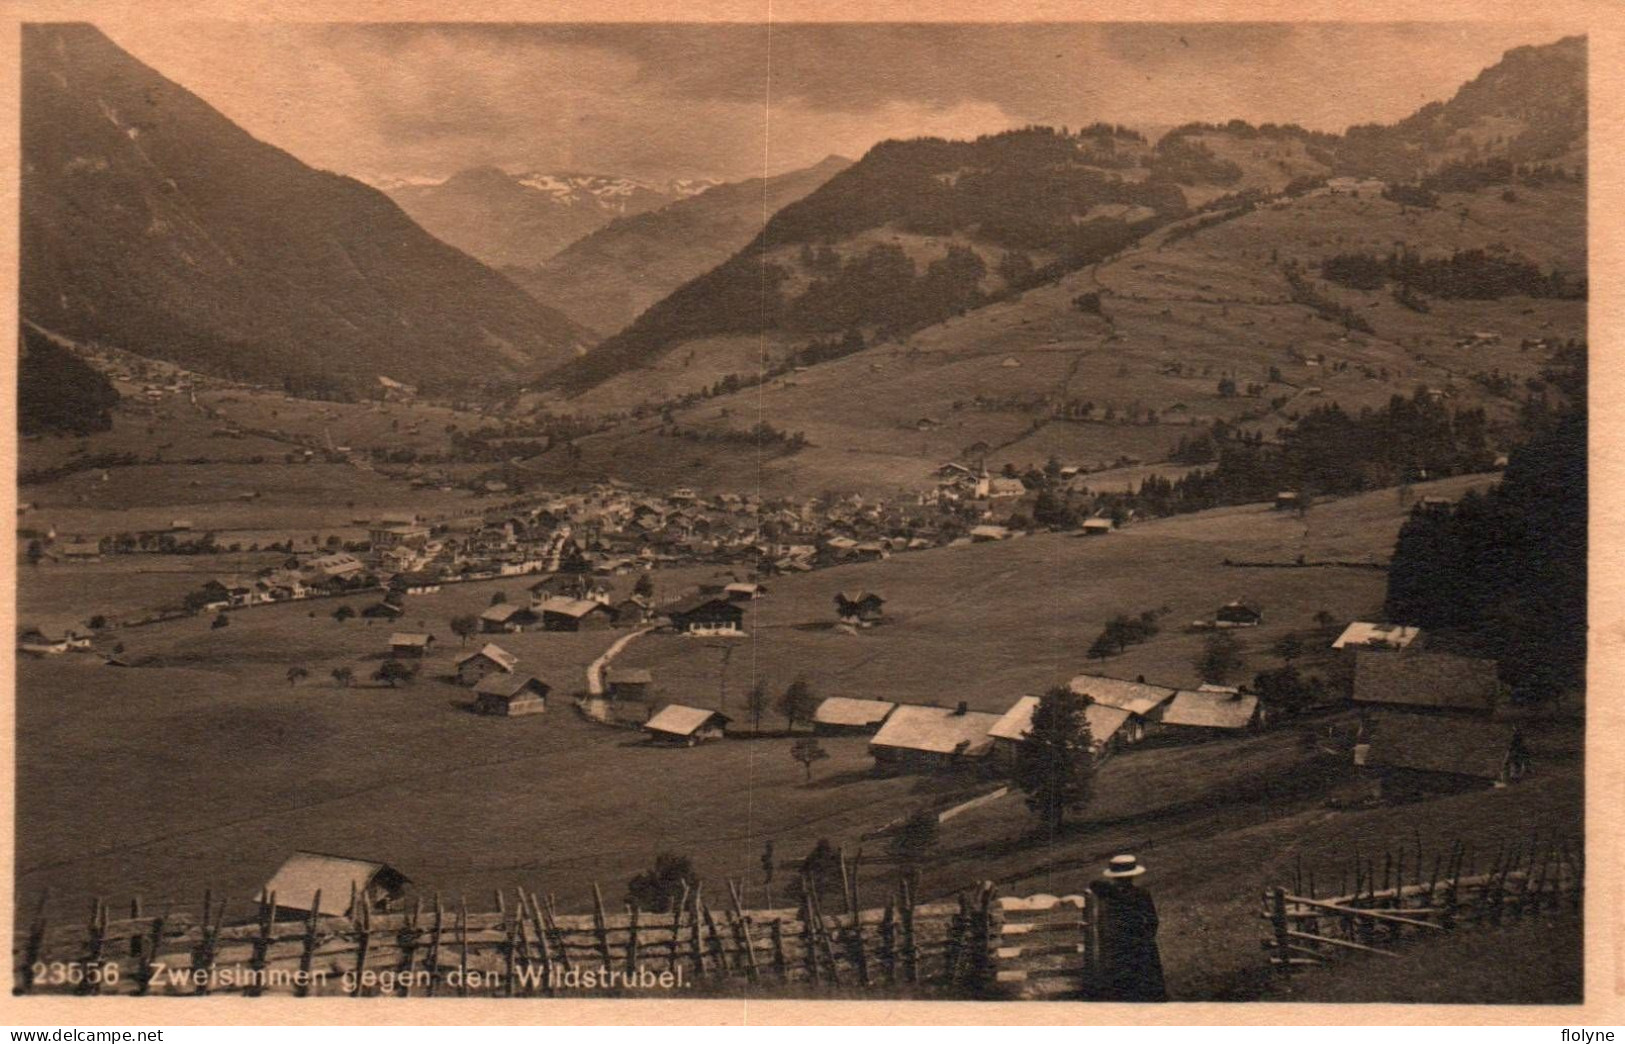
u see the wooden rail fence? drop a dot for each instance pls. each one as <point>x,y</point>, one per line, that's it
<point>975,946</point>
<point>1416,898</point>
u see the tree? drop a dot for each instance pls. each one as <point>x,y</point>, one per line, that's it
<point>916,837</point>
<point>645,587</point>
<point>342,677</point>
<point>661,888</point>
<point>1283,692</point>
<point>1324,619</point>
<point>220,620</point>
<point>1054,762</point>
<point>798,703</point>
<point>1288,647</point>
<point>97,622</point>
<point>393,672</point>
<point>1219,658</point>
<point>822,869</point>
<point>756,702</point>
<point>297,675</point>
<point>343,613</point>
<point>499,598</point>
<point>808,751</point>
<point>465,626</point>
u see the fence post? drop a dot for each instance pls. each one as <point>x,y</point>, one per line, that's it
<point>600,923</point>
<point>307,957</point>
<point>888,942</point>
<point>677,929</point>
<point>363,942</point>
<point>781,967</point>
<point>631,938</point>
<point>809,944</point>
<point>149,953</point>
<point>433,960</point>
<point>911,951</point>
<point>462,945</point>
<point>1278,921</point>
<point>35,946</point>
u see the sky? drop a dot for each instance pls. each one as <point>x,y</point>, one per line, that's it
<point>735,101</point>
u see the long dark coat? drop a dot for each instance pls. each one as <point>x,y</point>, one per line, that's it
<point>1130,963</point>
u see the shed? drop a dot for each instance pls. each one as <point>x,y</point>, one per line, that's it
<point>848,714</point>
<point>1239,614</point>
<point>988,534</point>
<point>863,608</point>
<point>1422,752</point>
<point>409,645</point>
<point>1219,711</point>
<point>707,616</point>
<point>1376,636</point>
<point>918,737</point>
<point>510,695</point>
<point>744,592</point>
<point>687,726</point>
<point>1430,681</point>
<point>305,875</point>
<point>574,614</point>
<point>1097,526</point>
<point>630,683</point>
<point>488,659</point>
<point>507,618</point>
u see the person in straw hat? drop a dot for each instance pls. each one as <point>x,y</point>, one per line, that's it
<point>1130,963</point>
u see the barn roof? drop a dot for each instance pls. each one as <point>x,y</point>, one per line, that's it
<point>297,881</point>
<point>1422,743</point>
<point>742,587</point>
<point>1381,635</point>
<point>493,652</point>
<point>1425,679</point>
<point>1211,710</point>
<point>630,676</point>
<point>576,607</point>
<point>1103,721</point>
<point>408,638</point>
<point>504,612</point>
<point>849,710</point>
<point>509,685</point>
<point>936,730</point>
<point>1134,697</point>
<point>694,605</point>
<point>856,596</point>
<point>678,720</point>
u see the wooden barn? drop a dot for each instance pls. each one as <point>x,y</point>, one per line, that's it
<point>1144,703</point>
<point>472,668</point>
<point>510,695</point>
<point>410,645</point>
<point>507,618</point>
<point>1405,754</point>
<point>327,884</point>
<point>1238,614</point>
<point>1377,636</point>
<point>925,739</point>
<point>744,592</point>
<point>678,725</point>
<point>1106,728</point>
<point>1431,682</point>
<point>707,616</point>
<point>859,608</point>
<point>1225,712</point>
<point>575,614</point>
<point>846,715</point>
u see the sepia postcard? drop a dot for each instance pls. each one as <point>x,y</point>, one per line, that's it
<point>1016,516</point>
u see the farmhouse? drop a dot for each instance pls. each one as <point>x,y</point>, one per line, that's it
<point>862,608</point>
<point>744,592</point>
<point>1097,526</point>
<point>1212,712</point>
<point>390,534</point>
<point>686,726</point>
<point>1239,614</point>
<point>838,715</point>
<point>339,565</point>
<point>1106,731</point>
<point>630,683</point>
<point>409,645</point>
<point>510,695</point>
<point>1376,636</point>
<point>630,612</point>
<point>1005,488</point>
<point>507,618</point>
<point>707,616</point>
<point>574,614</point>
<point>920,738</point>
<point>1144,703</point>
<point>1409,753</point>
<point>488,659</point>
<point>329,884</point>
<point>1426,681</point>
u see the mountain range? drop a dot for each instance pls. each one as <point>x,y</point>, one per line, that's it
<point>153,223</point>
<point>608,277</point>
<point>526,218</point>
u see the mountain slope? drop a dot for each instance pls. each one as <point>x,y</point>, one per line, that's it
<point>607,278</point>
<point>153,223</point>
<point>524,219</point>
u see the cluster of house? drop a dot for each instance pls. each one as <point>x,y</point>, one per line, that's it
<point>500,688</point>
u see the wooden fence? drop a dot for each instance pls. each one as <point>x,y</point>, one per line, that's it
<point>1416,898</point>
<point>526,947</point>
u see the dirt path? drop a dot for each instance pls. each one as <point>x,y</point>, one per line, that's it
<point>595,669</point>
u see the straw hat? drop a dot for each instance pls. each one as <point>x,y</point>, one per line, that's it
<point>1123,866</point>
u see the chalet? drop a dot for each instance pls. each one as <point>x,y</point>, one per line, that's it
<point>1144,703</point>
<point>630,612</point>
<point>707,616</point>
<point>744,592</point>
<point>1408,754</point>
<point>1106,730</point>
<point>1376,636</point>
<point>839,715</point>
<point>630,683</point>
<point>408,645</point>
<point>920,738</point>
<point>987,534</point>
<point>858,607</point>
<point>510,695</point>
<point>869,551</point>
<point>329,885</point>
<point>1005,488</point>
<point>686,726</point>
<point>1238,614</point>
<point>574,614</point>
<point>1097,526</point>
<point>1426,681</point>
<point>473,667</point>
<point>1227,711</point>
<point>507,618</point>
